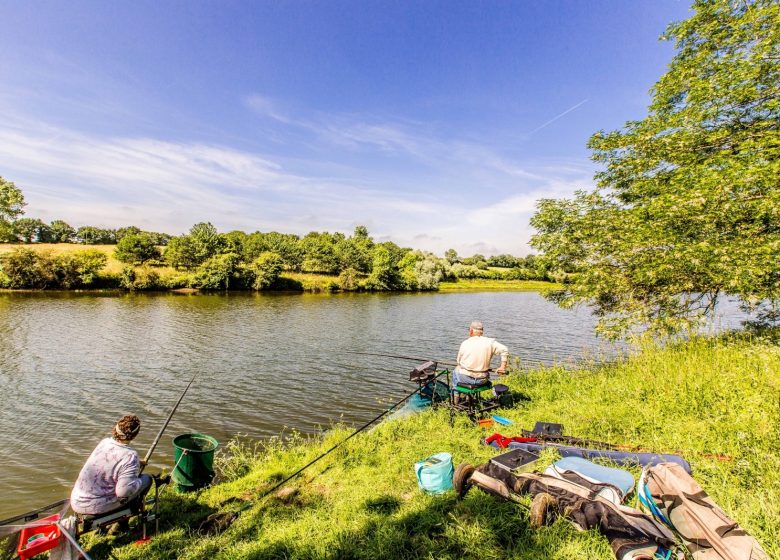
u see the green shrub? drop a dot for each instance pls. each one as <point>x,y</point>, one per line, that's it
<point>136,249</point>
<point>265,270</point>
<point>142,278</point>
<point>220,272</point>
<point>107,280</point>
<point>466,271</point>
<point>79,269</point>
<point>26,268</point>
<point>236,458</point>
<point>175,281</point>
<point>349,279</point>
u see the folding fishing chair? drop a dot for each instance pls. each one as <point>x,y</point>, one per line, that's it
<point>146,507</point>
<point>473,400</point>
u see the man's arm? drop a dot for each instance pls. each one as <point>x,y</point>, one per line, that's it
<point>502,351</point>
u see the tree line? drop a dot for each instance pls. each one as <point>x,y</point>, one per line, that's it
<point>238,260</point>
<point>207,259</point>
<point>35,230</point>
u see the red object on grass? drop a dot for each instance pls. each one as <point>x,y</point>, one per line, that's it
<point>503,441</point>
<point>51,536</point>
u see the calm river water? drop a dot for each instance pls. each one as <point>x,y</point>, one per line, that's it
<point>71,364</point>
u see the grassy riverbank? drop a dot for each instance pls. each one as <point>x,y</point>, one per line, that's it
<point>485,285</point>
<point>713,400</point>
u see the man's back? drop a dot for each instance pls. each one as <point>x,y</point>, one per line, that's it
<point>476,353</point>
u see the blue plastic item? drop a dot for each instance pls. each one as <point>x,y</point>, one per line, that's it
<point>616,477</point>
<point>434,474</point>
<point>502,420</point>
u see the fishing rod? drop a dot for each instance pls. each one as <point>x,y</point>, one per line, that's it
<point>167,421</point>
<point>415,358</point>
<point>225,519</point>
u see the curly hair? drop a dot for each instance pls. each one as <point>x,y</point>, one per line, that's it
<point>127,427</point>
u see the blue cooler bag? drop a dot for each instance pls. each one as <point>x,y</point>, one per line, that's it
<point>434,474</point>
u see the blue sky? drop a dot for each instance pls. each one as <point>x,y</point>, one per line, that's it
<point>435,124</point>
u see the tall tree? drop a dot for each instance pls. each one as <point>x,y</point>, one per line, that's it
<point>136,249</point>
<point>11,207</point>
<point>28,230</point>
<point>90,235</point>
<point>687,206</point>
<point>61,232</point>
<point>127,230</point>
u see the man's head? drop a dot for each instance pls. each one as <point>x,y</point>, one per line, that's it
<point>475,329</point>
<point>127,428</point>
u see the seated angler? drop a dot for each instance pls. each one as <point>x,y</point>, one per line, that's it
<point>474,357</point>
<point>110,478</point>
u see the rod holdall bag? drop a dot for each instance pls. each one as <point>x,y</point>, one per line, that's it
<point>608,482</point>
<point>434,474</point>
<point>676,499</point>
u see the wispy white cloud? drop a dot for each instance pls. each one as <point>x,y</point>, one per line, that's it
<point>167,186</point>
<point>265,107</point>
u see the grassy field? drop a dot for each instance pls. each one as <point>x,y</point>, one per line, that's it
<point>113,266</point>
<point>485,285</point>
<point>713,400</point>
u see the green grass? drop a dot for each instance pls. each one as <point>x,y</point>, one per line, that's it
<point>484,285</point>
<point>309,281</point>
<point>705,398</point>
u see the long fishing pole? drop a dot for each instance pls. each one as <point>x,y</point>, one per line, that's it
<point>233,515</point>
<point>167,421</point>
<point>415,358</point>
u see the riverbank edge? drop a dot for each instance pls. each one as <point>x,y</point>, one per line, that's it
<point>714,400</point>
<point>314,284</point>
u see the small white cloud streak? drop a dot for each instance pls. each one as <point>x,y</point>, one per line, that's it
<point>265,107</point>
<point>555,118</point>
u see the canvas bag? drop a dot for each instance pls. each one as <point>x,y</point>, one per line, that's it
<point>709,534</point>
<point>608,482</point>
<point>434,474</point>
<point>632,535</point>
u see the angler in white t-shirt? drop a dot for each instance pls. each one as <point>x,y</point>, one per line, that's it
<point>475,355</point>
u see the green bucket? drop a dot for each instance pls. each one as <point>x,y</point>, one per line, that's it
<point>193,455</point>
